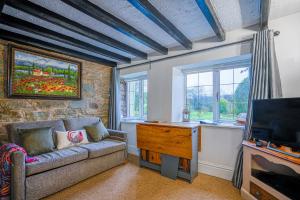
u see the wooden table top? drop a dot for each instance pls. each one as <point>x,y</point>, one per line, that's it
<point>174,124</point>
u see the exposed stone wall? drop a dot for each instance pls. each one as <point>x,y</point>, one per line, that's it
<point>95,96</point>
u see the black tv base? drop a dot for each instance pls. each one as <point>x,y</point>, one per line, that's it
<point>280,151</point>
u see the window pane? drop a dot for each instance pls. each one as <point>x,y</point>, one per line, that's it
<point>226,102</point>
<point>206,78</point>
<point>240,74</point>
<point>240,107</point>
<point>234,91</point>
<point>205,103</point>
<point>199,95</point>
<point>145,91</point>
<point>226,76</point>
<point>192,80</point>
<point>241,93</point>
<point>192,98</point>
<point>134,98</point>
<point>200,100</point>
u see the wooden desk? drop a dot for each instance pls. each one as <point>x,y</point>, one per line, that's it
<point>161,144</point>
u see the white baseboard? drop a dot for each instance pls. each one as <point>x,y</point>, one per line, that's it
<point>133,150</point>
<point>213,169</point>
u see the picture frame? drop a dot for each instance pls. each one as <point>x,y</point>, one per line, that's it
<point>38,75</point>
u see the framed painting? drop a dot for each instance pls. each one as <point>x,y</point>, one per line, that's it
<point>32,74</point>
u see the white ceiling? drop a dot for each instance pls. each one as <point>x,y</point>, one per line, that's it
<point>184,14</point>
<point>281,8</point>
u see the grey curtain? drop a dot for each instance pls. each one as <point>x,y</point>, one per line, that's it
<point>264,84</point>
<point>114,103</point>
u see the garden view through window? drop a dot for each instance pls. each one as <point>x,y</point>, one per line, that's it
<point>137,99</point>
<point>218,95</point>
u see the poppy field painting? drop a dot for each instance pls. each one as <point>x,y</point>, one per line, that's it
<point>37,75</point>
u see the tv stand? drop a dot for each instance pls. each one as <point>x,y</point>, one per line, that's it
<point>286,151</point>
<point>269,174</point>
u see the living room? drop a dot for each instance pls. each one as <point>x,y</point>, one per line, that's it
<point>131,99</point>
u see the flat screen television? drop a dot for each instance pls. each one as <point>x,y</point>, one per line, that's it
<point>277,121</point>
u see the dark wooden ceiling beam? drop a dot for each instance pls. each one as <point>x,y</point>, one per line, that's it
<point>2,3</point>
<point>47,15</point>
<point>264,13</point>
<point>25,40</point>
<point>32,28</point>
<point>112,21</point>
<point>152,13</point>
<point>210,14</point>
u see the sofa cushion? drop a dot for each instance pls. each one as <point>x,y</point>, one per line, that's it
<point>71,138</point>
<point>12,129</point>
<point>103,147</point>
<point>56,159</point>
<point>37,141</point>
<point>72,124</point>
<point>97,131</point>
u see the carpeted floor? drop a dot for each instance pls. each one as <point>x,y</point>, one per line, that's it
<point>130,182</point>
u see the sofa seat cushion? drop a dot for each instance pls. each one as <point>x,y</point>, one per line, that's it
<point>56,159</point>
<point>103,147</point>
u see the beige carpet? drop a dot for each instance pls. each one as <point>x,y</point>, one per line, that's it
<point>130,182</point>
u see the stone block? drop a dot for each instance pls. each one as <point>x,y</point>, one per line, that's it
<point>37,116</point>
<point>78,104</point>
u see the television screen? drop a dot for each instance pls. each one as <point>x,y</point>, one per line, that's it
<point>277,120</point>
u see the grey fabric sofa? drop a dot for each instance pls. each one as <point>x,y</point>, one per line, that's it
<point>62,168</point>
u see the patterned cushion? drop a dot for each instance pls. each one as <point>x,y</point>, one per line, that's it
<point>71,138</point>
<point>56,159</point>
<point>103,147</point>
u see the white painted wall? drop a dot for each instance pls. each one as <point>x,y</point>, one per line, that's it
<point>287,46</point>
<point>130,128</point>
<point>219,152</point>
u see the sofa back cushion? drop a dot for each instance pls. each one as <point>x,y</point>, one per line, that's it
<point>73,124</point>
<point>14,135</point>
<point>37,141</point>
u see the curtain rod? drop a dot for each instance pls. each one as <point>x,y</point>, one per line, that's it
<point>276,33</point>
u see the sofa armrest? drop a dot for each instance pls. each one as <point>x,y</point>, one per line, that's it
<point>118,135</point>
<point>18,176</point>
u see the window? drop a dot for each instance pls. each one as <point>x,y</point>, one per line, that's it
<point>218,94</point>
<point>136,99</point>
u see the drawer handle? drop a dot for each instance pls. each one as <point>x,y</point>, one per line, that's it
<point>257,194</point>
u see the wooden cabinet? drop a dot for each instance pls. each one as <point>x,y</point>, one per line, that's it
<point>259,193</point>
<point>162,144</point>
<point>269,175</point>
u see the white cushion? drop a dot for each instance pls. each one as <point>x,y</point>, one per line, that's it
<point>71,138</point>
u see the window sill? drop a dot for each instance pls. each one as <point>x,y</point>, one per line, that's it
<point>131,121</point>
<point>225,125</point>
<point>217,125</point>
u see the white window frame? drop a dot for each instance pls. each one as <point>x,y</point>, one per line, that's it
<point>141,89</point>
<point>216,83</point>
